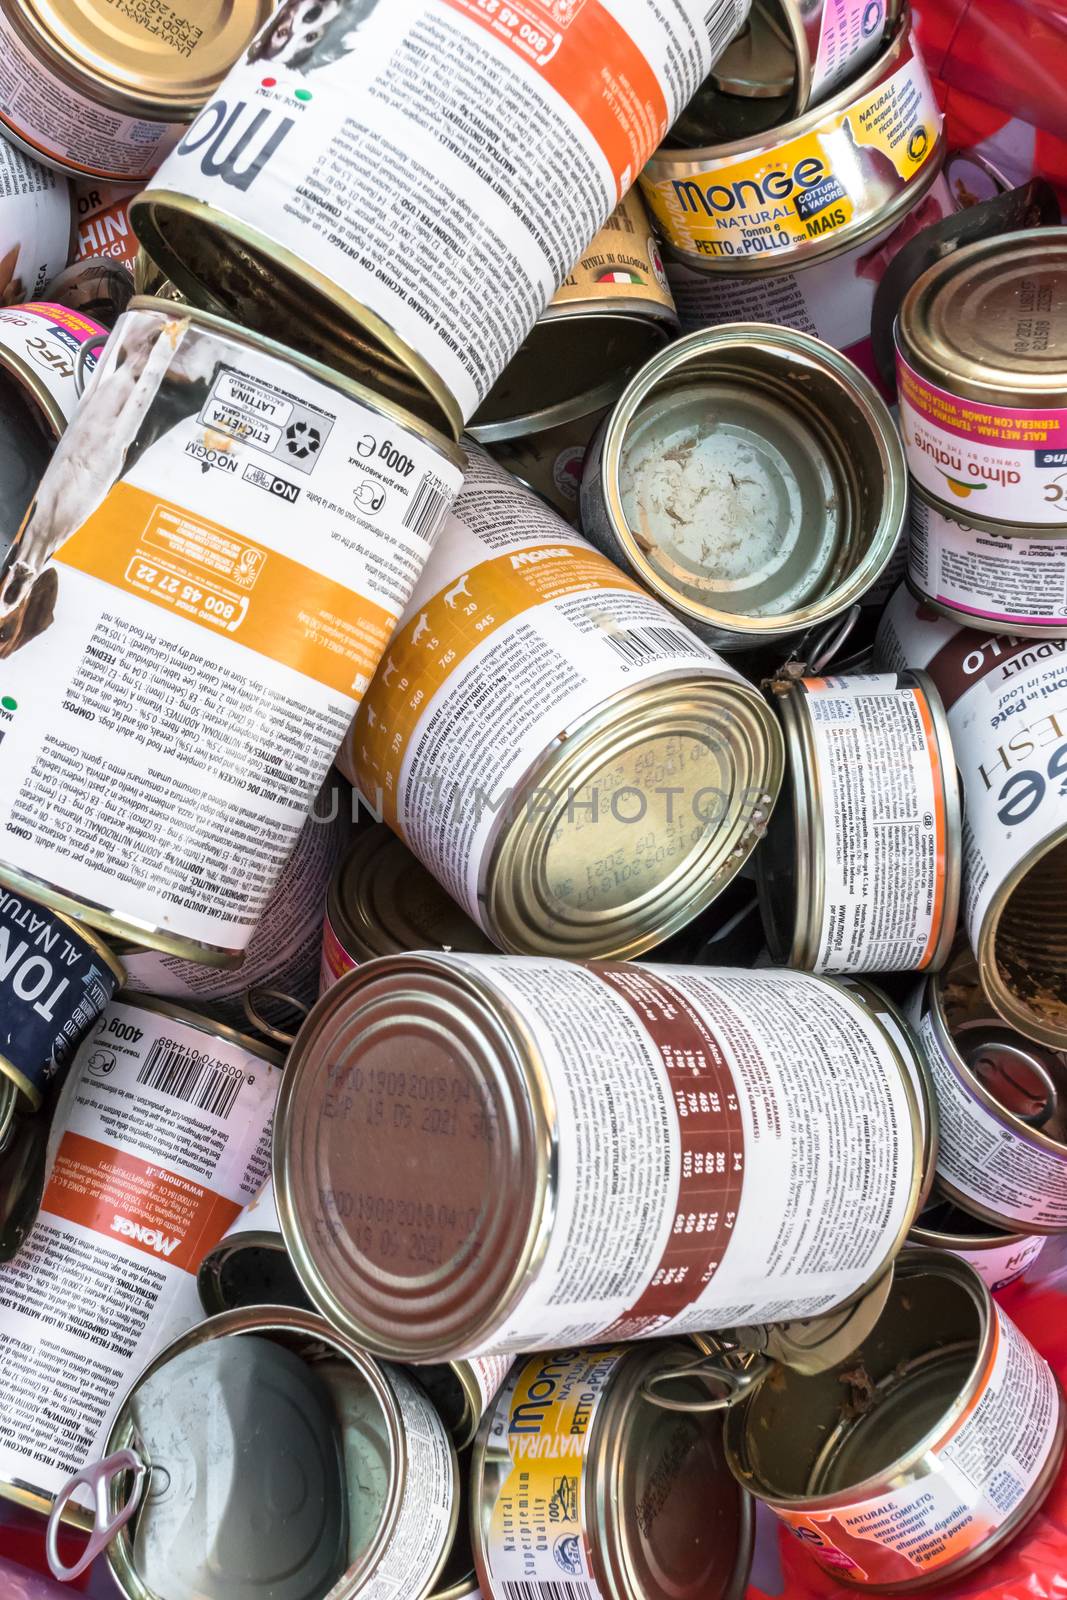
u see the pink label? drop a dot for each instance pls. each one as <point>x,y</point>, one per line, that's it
<point>1002,427</point>
<point>60,318</point>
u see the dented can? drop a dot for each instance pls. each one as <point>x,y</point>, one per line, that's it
<point>106,93</point>
<point>1006,704</point>
<point>198,597</point>
<point>752,479</point>
<point>647,1122</point>
<point>981,341</point>
<point>372,183</point>
<point>860,871</point>
<point>382,901</point>
<point>36,225</point>
<point>649,1509</point>
<point>922,1453</point>
<point>579,771</point>
<point>843,170</point>
<point>992,581</point>
<point>999,1258</point>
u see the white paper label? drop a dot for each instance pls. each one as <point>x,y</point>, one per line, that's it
<point>420,1535</point>
<point>35,225</point>
<point>991,577</point>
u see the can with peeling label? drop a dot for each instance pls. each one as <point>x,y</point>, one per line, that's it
<point>981,341</point>
<point>999,1258</point>
<point>992,581</point>
<point>860,871</point>
<point>371,183</point>
<point>752,479</point>
<point>652,1122</point>
<point>200,593</point>
<point>843,170</point>
<point>1006,704</point>
<point>36,225</point>
<point>922,1453</point>
<point>575,1473</point>
<point>578,770</point>
<point>103,92</point>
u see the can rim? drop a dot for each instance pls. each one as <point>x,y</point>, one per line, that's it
<point>1025,1021</point>
<point>145,211</point>
<point>954,1243</point>
<point>160,1006</point>
<point>348,887</point>
<point>209,1273</point>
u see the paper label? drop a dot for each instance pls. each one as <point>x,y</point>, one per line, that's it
<point>104,222</point>
<point>48,339</point>
<point>850,34</point>
<point>420,1534</point>
<point>996,1265</point>
<point>995,577</point>
<point>35,223</point>
<point>622,264</point>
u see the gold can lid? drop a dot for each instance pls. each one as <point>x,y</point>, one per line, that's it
<point>990,321</point>
<point>383,901</point>
<point>169,70</point>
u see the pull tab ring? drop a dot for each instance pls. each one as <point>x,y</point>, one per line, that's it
<point>94,341</point>
<point>259,1021</point>
<point>818,647</point>
<point>97,1477</point>
<point>738,1381</point>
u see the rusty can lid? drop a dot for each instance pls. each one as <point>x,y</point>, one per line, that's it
<point>382,901</point>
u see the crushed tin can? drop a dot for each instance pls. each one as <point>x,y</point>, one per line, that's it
<point>382,901</point>
<point>98,92</point>
<point>999,1258</point>
<point>371,181</point>
<point>609,1095</point>
<point>1004,700</point>
<point>183,569</point>
<point>578,770</point>
<point>917,1457</point>
<point>752,479</point>
<point>860,870</point>
<point>981,337</point>
<point>577,1480</point>
<point>842,170</point>
<point>996,582</point>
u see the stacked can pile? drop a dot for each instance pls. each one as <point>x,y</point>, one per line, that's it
<point>506,449</point>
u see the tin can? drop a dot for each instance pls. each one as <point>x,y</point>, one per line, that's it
<point>283,954</point>
<point>990,581</point>
<point>222,543</point>
<point>843,171</point>
<point>161,1135</point>
<point>860,872</point>
<point>579,772</point>
<point>458,1580</point>
<point>36,225</point>
<point>550,463</point>
<point>923,1453</point>
<point>403,187</point>
<point>752,479</point>
<point>102,93</point>
<point>104,228</point>
<point>1004,699</point>
<point>1003,1105</point>
<point>43,345</point>
<point>999,1258</point>
<point>382,901</point>
<point>612,311</point>
<point>649,1177</point>
<point>55,980</point>
<point>650,1508</point>
<point>829,294</point>
<point>983,403</point>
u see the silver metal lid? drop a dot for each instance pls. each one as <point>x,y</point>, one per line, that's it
<point>382,901</point>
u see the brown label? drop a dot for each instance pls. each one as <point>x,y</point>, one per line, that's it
<point>968,657</point>
<point>622,263</point>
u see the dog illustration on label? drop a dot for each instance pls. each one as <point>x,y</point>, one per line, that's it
<point>458,591</point>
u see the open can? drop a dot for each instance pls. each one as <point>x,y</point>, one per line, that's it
<point>999,1258</point>
<point>751,478</point>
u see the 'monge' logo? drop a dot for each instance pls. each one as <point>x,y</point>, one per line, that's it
<point>218,127</point>
<point>153,1237</point>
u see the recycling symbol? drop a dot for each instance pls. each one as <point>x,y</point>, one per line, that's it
<point>302,440</point>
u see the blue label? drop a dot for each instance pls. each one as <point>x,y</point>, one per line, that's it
<point>811,201</point>
<point>1050,458</point>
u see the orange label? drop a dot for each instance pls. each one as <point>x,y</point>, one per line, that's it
<point>429,647</point>
<point>230,585</point>
<point>940,826</point>
<point>171,1218</point>
<point>621,102</point>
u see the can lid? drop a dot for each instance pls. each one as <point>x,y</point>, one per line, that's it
<point>168,72</point>
<point>759,62</point>
<point>383,901</point>
<point>1024,1077</point>
<point>989,321</point>
<point>815,1344</point>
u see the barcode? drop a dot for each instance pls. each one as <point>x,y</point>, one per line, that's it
<point>638,645</point>
<point>722,20</point>
<point>550,1589</point>
<point>186,1073</point>
<point>428,506</point>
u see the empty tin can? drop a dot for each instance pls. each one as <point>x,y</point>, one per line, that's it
<point>654,1128</point>
<point>200,593</point>
<point>105,92</point>
<point>1003,1107</point>
<point>1006,704</point>
<point>922,1453</point>
<point>578,770</point>
<point>580,1486</point>
<point>981,343</point>
<point>860,871</point>
<point>412,230</point>
<point>841,167</point>
<point>36,224</point>
<point>751,478</point>
<point>997,582</point>
<point>382,901</point>
<point>999,1258</point>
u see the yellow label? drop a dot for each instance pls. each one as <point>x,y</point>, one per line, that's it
<point>622,263</point>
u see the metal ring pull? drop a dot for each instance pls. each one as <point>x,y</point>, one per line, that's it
<point>259,1021</point>
<point>818,647</point>
<point>94,341</point>
<point>97,1477</point>
<point>738,1381</point>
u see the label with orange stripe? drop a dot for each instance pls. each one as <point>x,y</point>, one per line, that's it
<point>878,798</point>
